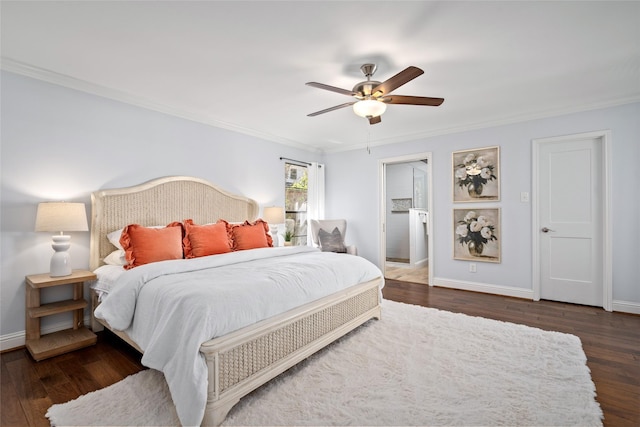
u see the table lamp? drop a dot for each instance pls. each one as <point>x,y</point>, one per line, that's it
<point>274,215</point>
<point>61,217</point>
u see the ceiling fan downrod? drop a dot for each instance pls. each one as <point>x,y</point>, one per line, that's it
<point>368,70</point>
<point>363,89</point>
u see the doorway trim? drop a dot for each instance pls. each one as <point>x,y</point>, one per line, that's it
<point>383,207</point>
<point>604,136</point>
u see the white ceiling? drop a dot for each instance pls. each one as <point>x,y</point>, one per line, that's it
<point>243,65</point>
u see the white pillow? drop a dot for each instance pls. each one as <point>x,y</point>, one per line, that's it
<point>107,277</point>
<point>114,238</point>
<point>116,257</point>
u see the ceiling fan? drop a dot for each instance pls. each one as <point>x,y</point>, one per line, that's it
<point>372,96</point>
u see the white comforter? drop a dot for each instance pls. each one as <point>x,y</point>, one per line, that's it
<point>170,308</point>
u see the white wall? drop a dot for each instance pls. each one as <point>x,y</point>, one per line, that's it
<point>61,144</point>
<point>514,274</point>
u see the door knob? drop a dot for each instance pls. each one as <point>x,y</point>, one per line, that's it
<point>546,230</point>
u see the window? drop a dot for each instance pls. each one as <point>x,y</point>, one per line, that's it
<point>296,192</point>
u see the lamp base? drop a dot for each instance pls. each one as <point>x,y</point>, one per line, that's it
<point>60,261</point>
<point>274,234</point>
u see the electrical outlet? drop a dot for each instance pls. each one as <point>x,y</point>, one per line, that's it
<point>472,267</point>
<point>524,197</point>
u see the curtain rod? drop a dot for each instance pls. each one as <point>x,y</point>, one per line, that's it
<point>297,161</point>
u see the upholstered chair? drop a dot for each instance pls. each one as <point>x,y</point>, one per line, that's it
<point>329,234</point>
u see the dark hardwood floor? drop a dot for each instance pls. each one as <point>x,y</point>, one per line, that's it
<point>611,342</point>
<point>29,388</point>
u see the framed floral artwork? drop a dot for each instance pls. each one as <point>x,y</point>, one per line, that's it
<point>476,175</point>
<point>476,234</point>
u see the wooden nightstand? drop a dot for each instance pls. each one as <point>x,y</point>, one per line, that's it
<point>49,345</point>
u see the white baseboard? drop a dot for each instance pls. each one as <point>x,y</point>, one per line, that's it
<point>484,287</point>
<point>626,307</point>
<point>11,341</point>
<point>618,306</point>
<point>421,263</point>
<point>17,339</point>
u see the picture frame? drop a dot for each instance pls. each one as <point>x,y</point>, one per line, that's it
<point>477,234</point>
<point>476,175</point>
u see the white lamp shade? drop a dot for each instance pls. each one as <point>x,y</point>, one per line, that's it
<point>273,215</point>
<point>369,108</point>
<point>61,216</point>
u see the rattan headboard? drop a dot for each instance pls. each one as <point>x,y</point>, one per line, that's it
<point>159,202</point>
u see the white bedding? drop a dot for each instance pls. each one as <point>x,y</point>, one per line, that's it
<point>107,277</point>
<point>170,308</point>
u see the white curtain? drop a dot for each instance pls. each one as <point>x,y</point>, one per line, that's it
<point>315,195</point>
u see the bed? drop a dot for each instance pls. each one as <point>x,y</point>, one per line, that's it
<point>240,361</point>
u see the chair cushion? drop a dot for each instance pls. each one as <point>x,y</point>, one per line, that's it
<point>331,242</point>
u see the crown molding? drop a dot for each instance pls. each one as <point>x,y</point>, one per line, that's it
<point>487,124</point>
<point>53,77</point>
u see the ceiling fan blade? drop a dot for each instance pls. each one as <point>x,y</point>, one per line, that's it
<point>337,107</point>
<point>411,100</point>
<point>374,120</point>
<point>396,81</point>
<point>331,88</point>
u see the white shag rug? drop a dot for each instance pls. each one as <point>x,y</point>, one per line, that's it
<point>416,366</point>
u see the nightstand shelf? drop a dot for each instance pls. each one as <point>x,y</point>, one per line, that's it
<point>60,342</point>
<point>49,345</point>
<point>56,307</point>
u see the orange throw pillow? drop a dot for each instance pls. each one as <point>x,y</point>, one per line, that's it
<point>203,240</point>
<point>251,235</point>
<point>144,245</point>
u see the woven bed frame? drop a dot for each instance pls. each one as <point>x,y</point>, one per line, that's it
<point>245,359</point>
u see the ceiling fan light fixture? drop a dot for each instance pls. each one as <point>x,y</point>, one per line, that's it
<point>369,108</point>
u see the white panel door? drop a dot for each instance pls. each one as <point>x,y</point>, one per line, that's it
<point>570,215</point>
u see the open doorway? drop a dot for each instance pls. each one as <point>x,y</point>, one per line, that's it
<point>405,199</point>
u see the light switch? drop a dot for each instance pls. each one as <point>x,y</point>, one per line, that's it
<point>524,197</point>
